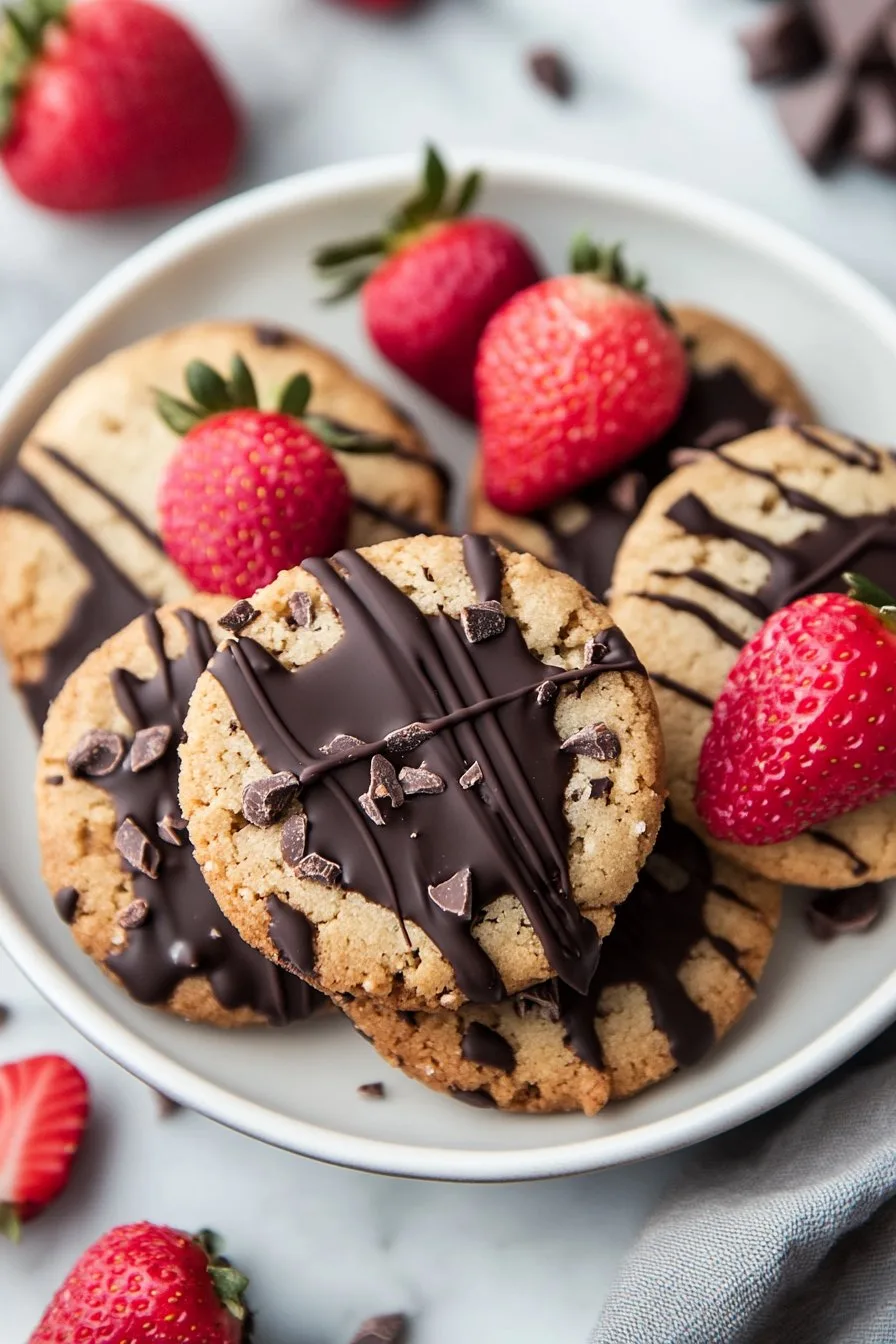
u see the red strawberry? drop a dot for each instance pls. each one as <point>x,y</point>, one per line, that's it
<point>149,1283</point>
<point>443,276</point>
<point>251,492</point>
<point>574,377</point>
<point>110,104</point>
<point>803,730</point>
<point>43,1111</point>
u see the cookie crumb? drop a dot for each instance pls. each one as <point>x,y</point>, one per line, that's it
<point>376,1091</point>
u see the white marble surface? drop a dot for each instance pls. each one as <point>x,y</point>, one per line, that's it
<point>660,89</point>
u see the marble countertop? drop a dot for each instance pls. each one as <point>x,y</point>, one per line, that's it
<point>661,88</point>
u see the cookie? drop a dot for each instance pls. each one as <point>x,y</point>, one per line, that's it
<point>427,771</point>
<point>78,547</point>
<point>718,547</point>
<point>737,385</point>
<point>114,846</point>
<point>676,973</point>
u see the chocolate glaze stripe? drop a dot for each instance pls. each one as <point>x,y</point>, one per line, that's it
<point>863,456</point>
<point>405,523</point>
<point>117,504</point>
<point>716,585</point>
<point>859,866</point>
<point>679,688</point>
<point>719,628</point>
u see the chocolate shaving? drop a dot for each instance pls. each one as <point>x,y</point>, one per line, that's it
<point>98,753</point>
<point>294,838</point>
<point>149,746</point>
<point>340,743</point>
<point>384,781</point>
<point>382,1330</point>
<point>831,913</point>
<point>135,915</point>
<point>375,1090</point>
<point>455,894</point>
<point>549,69</point>
<point>541,1001</point>
<point>547,693</point>
<point>601,788</point>
<point>471,776</point>
<point>136,848</point>
<point>318,869</point>
<point>66,903</point>
<point>784,44</point>
<point>172,828</point>
<point>238,617</point>
<point>265,800</point>
<point>483,620</point>
<point>299,609</point>
<point>407,739</point>
<point>417,779</point>
<point>371,810</point>
<point>597,741</point>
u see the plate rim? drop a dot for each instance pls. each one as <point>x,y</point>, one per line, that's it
<point>87,1014</point>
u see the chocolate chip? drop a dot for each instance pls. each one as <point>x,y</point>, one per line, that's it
<point>851,911</point>
<point>149,746</point>
<point>265,800</point>
<point>628,492</point>
<point>408,1018</point>
<point>783,44</point>
<point>384,781</point>
<point>382,1330</point>
<point>98,753</point>
<point>340,743</point>
<point>54,780</point>
<point>374,1090</point>
<point>601,788</point>
<point>407,739</point>
<point>300,609</point>
<point>722,432</point>
<point>272,336</point>
<point>417,779</point>
<point>471,776</point>
<point>483,620</point>
<point>541,1001</point>
<point>371,810</point>
<point>481,1045</point>
<point>172,829</point>
<point>547,693</point>
<point>596,650</point>
<point>136,848</point>
<point>479,1098</point>
<point>318,869</point>
<point>294,838</point>
<point>66,903</point>
<point>815,116</point>
<point>135,915</point>
<point>455,894</point>
<point>238,617</point>
<point>597,741</point>
<point>552,72</point>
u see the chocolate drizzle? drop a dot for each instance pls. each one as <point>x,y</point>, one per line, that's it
<point>184,933</point>
<point>477,702</point>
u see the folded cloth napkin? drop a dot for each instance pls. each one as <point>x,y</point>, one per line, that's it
<point>782,1232</point>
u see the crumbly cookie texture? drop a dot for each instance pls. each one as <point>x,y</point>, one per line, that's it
<point>86,757</point>
<point>359,945</point>
<point>104,427</point>
<point>715,344</point>
<point>691,585</point>
<point>522,1056</point>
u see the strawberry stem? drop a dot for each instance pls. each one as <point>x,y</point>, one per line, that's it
<point>874,597</point>
<point>230,1284</point>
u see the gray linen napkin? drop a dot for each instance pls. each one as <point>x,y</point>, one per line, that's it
<point>782,1232</point>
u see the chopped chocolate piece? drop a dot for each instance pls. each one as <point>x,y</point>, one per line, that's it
<point>66,903</point>
<point>149,746</point>
<point>482,1045</point>
<point>340,743</point>
<point>539,1001</point>
<point>294,838</point>
<point>597,741</point>
<point>455,895</point>
<point>318,869</point>
<point>596,650</point>
<point>54,780</point>
<point>382,1330</point>
<point>483,620</point>
<point>552,72</point>
<point>851,911</point>
<point>371,809</point>
<point>165,1106</point>
<point>98,754</point>
<point>601,788</point>
<point>408,1018</point>
<point>135,915</point>
<point>136,848</point>
<point>722,432</point>
<point>628,492</point>
<point>407,739</point>
<point>849,28</point>
<point>272,336</point>
<point>471,776</point>
<point>479,1098</point>
<point>874,138</point>
<point>265,800</point>
<point>375,1090</point>
<point>172,828</point>
<point>417,779</point>
<point>384,781</point>
<point>815,116</point>
<point>238,617</point>
<point>684,457</point>
<point>784,44</point>
<point>547,693</point>
<point>300,609</point>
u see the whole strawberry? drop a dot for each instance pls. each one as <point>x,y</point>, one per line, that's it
<point>109,104</point>
<point>43,1110</point>
<point>251,492</point>
<point>145,1282</point>
<point>805,727</point>
<point>430,282</point>
<point>575,376</point>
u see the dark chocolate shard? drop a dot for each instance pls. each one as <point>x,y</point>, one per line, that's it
<point>98,753</point>
<point>417,779</point>
<point>136,848</point>
<point>294,838</point>
<point>816,116</point>
<point>601,788</point>
<point>371,809</point>
<point>849,29</point>
<point>784,44</point>
<point>482,1100</point>
<point>54,780</point>
<point>853,910</point>
<point>483,620</point>
<point>722,432</point>
<point>384,781</point>
<point>340,743</point>
<point>382,1330</point>
<point>165,1106</point>
<point>407,739</point>
<point>269,335</point>
<point>597,741</point>
<point>265,800</point>
<point>149,746</point>
<point>66,903</point>
<point>547,693</point>
<point>549,69</point>
<point>596,650</point>
<point>628,492</point>
<point>481,1045</point>
<point>376,1091</point>
<point>172,829</point>
<point>685,457</point>
<point>874,137</point>
<point>300,609</point>
<point>135,915</point>
<point>539,1001</point>
<point>238,617</point>
<point>318,869</point>
<point>455,895</point>
<point>471,776</point>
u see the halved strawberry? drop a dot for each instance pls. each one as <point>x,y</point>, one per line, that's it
<point>44,1104</point>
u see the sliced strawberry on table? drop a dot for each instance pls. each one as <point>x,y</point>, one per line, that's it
<point>44,1105</point>
<point>431,280</point>
<point>805,727</point>
<point>575,376</point>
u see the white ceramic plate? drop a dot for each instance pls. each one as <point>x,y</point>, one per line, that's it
<point>297,1088</point>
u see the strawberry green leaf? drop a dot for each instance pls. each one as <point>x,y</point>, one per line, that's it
<point>10,1223</point>
<point>241,389</point>
<point>467,193</point>
<point>863,590</point>
<point>338,254</point>
<point>345,439</point>
<point>178,415</point>
<point>350,285</point>
<point>207,387</point>
<point>230,1285</point>
<point>295,396</point>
